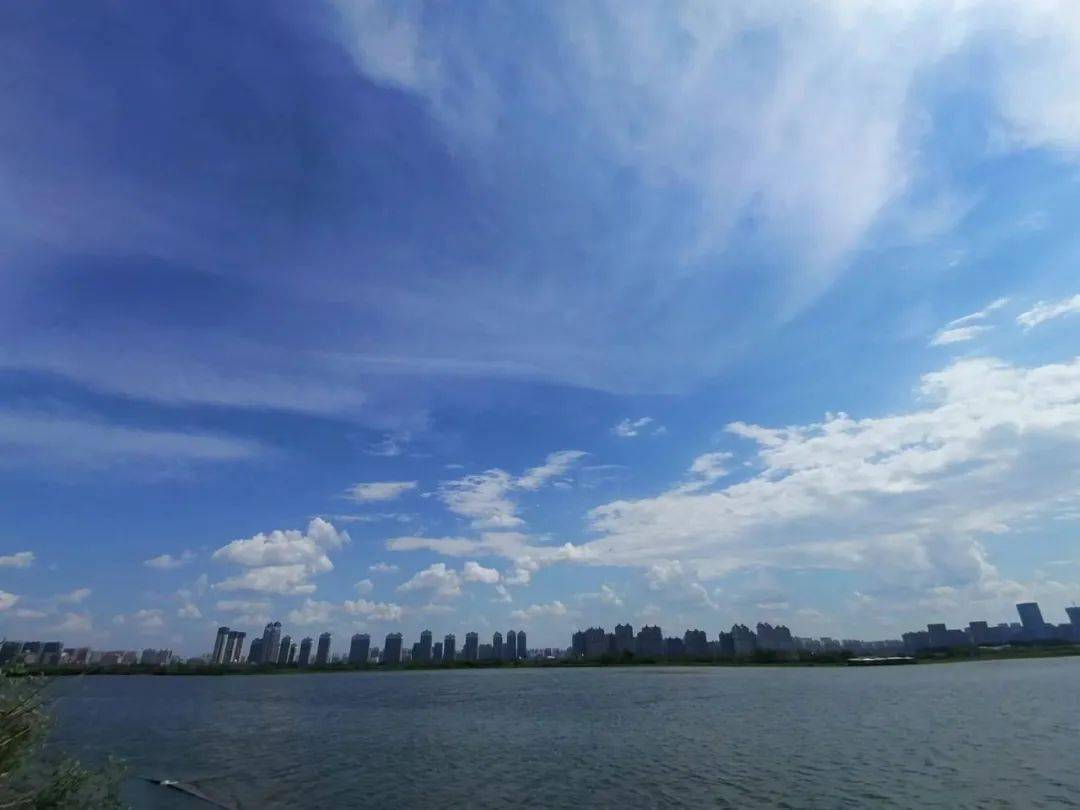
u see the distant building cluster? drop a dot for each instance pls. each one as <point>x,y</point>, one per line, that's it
<point>742,642</point>
<point>278,649</point>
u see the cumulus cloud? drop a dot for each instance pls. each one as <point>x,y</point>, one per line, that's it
<point>629,428</point>
<point>444,582</point>
<point>905,496</point>
<point>706,469</point>
<point>312,612</point>
<point>7,600</point>
<point>165,562</point>
<point>555,608</point>
<point>1048,310</point>
<point>364,587</point>
<point>282,561</point>
<point>474,572</point>
<point>79,623</point>
<point>380,490</point>
<point>20,559</point>
<point>374,611</point>
<point>189,611</point>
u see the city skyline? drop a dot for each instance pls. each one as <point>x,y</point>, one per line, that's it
<point>593,642</point>
<point>379,316</point>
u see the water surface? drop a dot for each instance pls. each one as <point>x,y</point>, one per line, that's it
<point>989,734</point>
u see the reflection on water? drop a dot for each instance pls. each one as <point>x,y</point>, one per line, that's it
<point>993,733</point>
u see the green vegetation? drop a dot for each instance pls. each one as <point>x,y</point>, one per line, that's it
<point>29,776</point>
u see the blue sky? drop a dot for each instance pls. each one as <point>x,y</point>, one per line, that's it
<point>376,316</point>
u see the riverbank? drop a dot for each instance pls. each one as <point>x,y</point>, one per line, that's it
<point>956,655</point>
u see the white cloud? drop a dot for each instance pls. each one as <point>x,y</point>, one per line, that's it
<point>1048,310</point>
<point>607,595</point>
<point>903,497</point>
<point>374,611</point>
<point>444,581</point>
<point>242,606</point>
<point>380,490</point>
<point>555,608</point>
<point>189,611</point>
<point>74,597</point>
<point>30,613</point>
<point>312,612</point>
<point>92,444</point>
<point>485,499</point>
<point>960,334</point>
<point>75,623</point>
<point>282,561</point>
<point>166,562</point>
<point>474,572</point>
<point>684,96</point>
<point>707,469</point>
<point>968,327</point>
<point>554,465</point>
<point>7,600</point>
<point>145,620</point>
<point>20,559</point>
<point>364,587</point>
<point>629,428</point>
<point>383,568</point>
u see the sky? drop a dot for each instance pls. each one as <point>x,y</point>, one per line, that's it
<point>368,316</point>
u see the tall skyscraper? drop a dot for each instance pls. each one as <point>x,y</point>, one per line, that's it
<point>521,649</point>
<point>255,651</point>
<point>1032,619</point>
<point>292,654</point>
<point>424,650</point>
<point>236,646</point>
<point>392,649</point>
<point>359,648</point>
<point>471,652</point>
<point>449,648</point>
<point>624,639</point>
<point>436,653</point>
<point>304,659</point>
<point>510,650</point>
<point>222,638</point>
<point>1074,616</point>
<point>271,643</point>
<point>283,650</point>
<point>322,654</point>
<point>497,646</point>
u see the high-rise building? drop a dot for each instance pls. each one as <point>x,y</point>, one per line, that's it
<point>283,650</point>
<point>50,653</point>
<point>424,650</point>
<point>510,650</point>
<point>696,644</point>
<point>220,642</point>
<point>292,654</point>
<point>322,654</point>
<point>1032,619</point>
<point>486,652</point>
<point>596,643</point>
<point>359,647</point>
<point>1074,615</point>
<point>497,645</point>
<point>229,652</point>
<point>392,649</point>
<point>674,647</point>
<point>472,647</point>
<point>238,645</point>
<point>449,648</point>
<point>10,652</point>
<point>743,640</point>
<point>624,639</point>
<point>577,644</point>
<point>304,658</point>
<point>271,643</point>
<point>255,651</point>
<point>650,642</point>
<point>521,649</point>
<point>436,653</point>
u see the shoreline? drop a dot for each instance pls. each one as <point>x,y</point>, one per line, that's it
<point>960,655</point>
